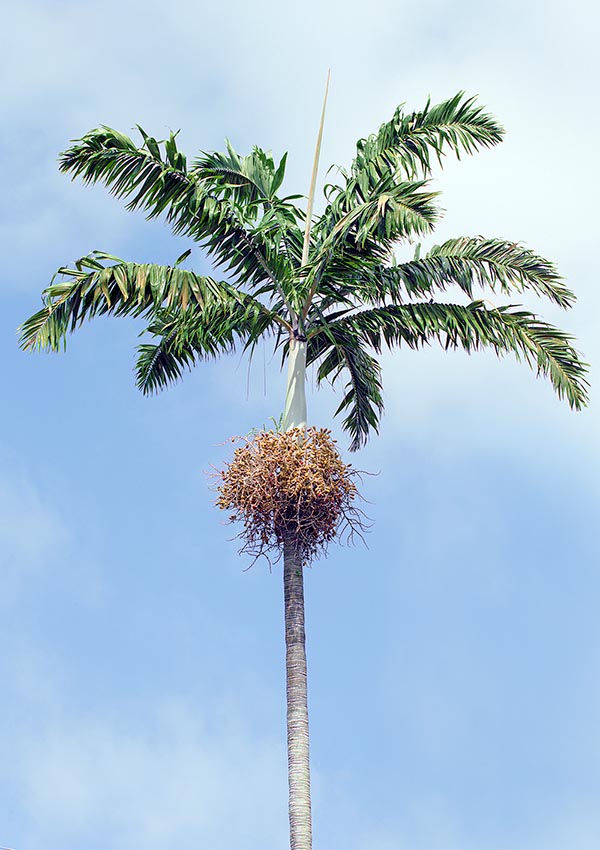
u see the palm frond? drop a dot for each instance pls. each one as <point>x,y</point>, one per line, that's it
<point>248,179</point>
<point>497,264</point>
<point>390,211</point>
<point>344,353</point>
<point>406,143</point>
<point>359,229</point>
<point>158,183</point>
<point>122,288</point>
<point>506,330</point>
<point>185,337</point>
<point>162,363</point>
<point>474,326</point>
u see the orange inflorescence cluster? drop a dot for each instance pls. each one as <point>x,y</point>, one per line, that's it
<point>292,482</point>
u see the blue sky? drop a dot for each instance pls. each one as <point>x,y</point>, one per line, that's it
<point>454,664</point>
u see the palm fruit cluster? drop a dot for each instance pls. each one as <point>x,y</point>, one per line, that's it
<point>292,483</point>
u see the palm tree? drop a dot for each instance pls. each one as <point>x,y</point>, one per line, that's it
<point>327,289</point>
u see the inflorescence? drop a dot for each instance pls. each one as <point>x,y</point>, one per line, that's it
<point>293,485</point>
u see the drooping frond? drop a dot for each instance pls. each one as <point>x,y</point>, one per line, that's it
<point>497,264</point>
<point>164,362</point>
<point>186,336</point>
<point>407,142</point>
<point>93,288</point>
<point>343,352</point>
<point>471,327</point>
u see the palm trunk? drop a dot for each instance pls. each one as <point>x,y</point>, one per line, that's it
<point>295,650</point>
<point>297,704</point>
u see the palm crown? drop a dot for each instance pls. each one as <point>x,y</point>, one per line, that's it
<point>340,293</point>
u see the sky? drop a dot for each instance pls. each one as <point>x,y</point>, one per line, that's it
<point>454,663</point>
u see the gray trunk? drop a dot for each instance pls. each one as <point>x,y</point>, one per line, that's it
<point>297,703</point>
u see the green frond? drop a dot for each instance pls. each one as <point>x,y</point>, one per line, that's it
<point>363,395</point>
<point>408,142</point>
<point>497,264</point>
<point>185,337</point>
<point>343,353</point>
<point>248,179</point>
<point>546,349</point>
<point>157,182</point>
<point>389,212</point>
<point>160,364</point>
<point>122,288</point>
<point>505,329</point>
<point>360,228</point>
<point>375,205</point>
<point>247,186</point>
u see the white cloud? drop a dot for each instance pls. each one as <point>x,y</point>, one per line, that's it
<point>32,530</point>
<point>45,540</point>
<point>437,829</point>
<point>176,778</point>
